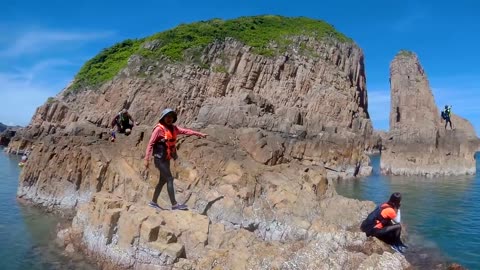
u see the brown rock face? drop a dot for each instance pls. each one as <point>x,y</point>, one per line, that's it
<point>258,187</point>
<point>301,103</point>
<point>418,143</point>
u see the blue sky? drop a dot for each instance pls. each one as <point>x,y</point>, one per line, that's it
<point>44,43</point>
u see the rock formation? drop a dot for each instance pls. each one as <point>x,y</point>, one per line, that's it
<point>280,127</point>
<point>418,143</point>
<point>376,143</point>
<point>5,137</point>
<point>7,133</point>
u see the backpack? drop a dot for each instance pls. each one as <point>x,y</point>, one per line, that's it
<point>371,220</point>
<point>444,115</point>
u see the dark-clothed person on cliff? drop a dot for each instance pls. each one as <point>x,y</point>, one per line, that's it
<point>123,121</point>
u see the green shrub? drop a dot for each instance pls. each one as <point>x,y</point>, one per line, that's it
<point>405,53</point>
<point>258,32</point>
<point>105,65</point>
<point>50,100</point>
<point>220,69</point>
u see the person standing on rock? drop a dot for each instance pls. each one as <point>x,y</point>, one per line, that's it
<point>384,223</point>
<point>448,114</point>
<point>162,145</point>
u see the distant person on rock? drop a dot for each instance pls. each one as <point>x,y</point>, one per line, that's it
<point>384,223</point>
<point>123,121</point>
<point>446,115</point>
<point>23,161</point>
<point>162,146</point>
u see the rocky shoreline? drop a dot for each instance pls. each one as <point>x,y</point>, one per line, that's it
<point>278,214</point>
<point>73,238</point>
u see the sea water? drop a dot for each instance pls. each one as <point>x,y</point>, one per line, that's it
<point>27,233</point>
<point>441,215</point>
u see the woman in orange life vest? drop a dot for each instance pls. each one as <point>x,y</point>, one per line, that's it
<point>162,145</point>
<point>387,227</point>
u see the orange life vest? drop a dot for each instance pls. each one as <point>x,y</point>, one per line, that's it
<point>170,140</point>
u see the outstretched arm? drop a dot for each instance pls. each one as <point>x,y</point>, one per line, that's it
<point>186,131</point>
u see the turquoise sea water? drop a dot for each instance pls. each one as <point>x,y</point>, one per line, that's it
<point>27,233</point>
<point>442,215</point>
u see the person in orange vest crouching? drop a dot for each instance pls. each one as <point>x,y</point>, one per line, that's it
<point>384,223</point>
<point>162,146</point>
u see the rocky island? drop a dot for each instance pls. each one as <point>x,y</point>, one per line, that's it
<point>418,142</point>
<point>284,102</point>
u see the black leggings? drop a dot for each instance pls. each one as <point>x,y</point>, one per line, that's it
<point>448,121</point>
<point>389,234</point>
<point>165,177</point>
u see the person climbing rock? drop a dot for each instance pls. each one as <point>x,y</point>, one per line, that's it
<point>446,115</point>
<point>384,223</point>
<point>123,121</point>
<point>162,145</point>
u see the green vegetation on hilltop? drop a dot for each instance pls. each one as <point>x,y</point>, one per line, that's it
<point>258,32</point>
<point>105,65</point>
<point>405,53</point>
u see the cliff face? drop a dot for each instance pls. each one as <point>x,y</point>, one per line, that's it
<point>258,186</point>
<point>418,143</point>
<point>310,102</point>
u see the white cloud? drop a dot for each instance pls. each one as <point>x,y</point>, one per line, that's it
<point>21,103</point>
<point>42,67</point>
<point>34,41</point>
<point>36,64</point>
<point>23,91</point>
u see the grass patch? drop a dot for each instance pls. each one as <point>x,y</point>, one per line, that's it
<point>259,32</point>
<point>105,65</point>
<point>405,53</point>
<point>220,69</point>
